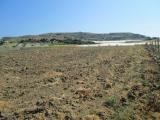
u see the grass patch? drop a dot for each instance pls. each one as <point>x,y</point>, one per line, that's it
<point>145,82</point>
<point>125,113</point>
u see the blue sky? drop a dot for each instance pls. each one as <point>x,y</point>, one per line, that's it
<point>21,17</point>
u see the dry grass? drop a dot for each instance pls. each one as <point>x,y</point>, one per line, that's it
<point>52,74</point>
<point>4,104</point>
<point>79,83</point>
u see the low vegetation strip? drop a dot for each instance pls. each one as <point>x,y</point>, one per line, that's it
<point>153,47</point>
<point>73,83</point>
<point>41,42</point>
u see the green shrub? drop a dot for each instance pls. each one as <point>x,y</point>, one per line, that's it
<point>1,42</point>
<point>110,102</point>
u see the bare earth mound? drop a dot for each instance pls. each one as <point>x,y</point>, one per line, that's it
<point>62,83</point>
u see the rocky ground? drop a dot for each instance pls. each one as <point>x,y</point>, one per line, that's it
<point>72,83</point>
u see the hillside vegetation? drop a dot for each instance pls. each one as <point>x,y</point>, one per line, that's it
<point>80,36</point>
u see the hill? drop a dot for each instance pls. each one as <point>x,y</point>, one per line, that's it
<point>67,38</point>
<point>81,36</point>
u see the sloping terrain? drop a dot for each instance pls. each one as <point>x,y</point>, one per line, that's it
<point>74,38</point>
<point>72,83</point>
<point>85,36</point>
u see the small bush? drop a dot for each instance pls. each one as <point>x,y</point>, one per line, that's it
<point>1,42</point>
<point>110,102</point>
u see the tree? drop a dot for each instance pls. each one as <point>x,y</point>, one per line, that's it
<point>1,42</point>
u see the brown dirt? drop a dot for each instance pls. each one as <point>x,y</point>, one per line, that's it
<point>74,83</point>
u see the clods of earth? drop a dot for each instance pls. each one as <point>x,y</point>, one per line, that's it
<point>73,83</point>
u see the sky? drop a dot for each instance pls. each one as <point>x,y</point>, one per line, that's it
<point>29,17</point>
